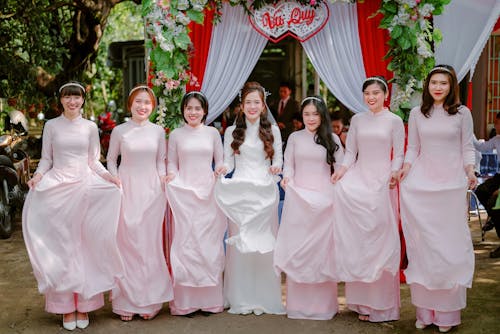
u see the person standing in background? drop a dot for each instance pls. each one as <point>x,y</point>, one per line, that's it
<point>286,109</point>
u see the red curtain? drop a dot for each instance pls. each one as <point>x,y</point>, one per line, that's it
<point>373,39</point>
<point>497,26</point>
<point>200,35</point>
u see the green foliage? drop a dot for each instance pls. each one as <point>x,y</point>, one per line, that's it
<point>33,35</point>
<point>44,43</point>
<point>124,23</point>
<point>411,45</point>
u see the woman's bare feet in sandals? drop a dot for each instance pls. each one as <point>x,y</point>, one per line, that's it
<point>126,317</point>
<point>149,316</point>
<point>364,317</point>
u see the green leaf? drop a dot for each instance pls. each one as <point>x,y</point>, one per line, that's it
<point>390,66</point>
<point>396,32</point>
<point>195,16</point>
<point>146,7</point>
<point>385,22</point>
<point>438,11</point>
<point>437,36</point>
<point>391,7</point>
<point>404,43</point>
<point>182,41</point>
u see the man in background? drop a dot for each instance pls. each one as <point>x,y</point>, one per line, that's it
<point>285,111</point>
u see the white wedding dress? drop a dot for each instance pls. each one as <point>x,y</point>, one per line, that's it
<point>250,200</point>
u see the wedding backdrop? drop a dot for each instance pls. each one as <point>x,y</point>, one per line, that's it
<point>212,46</point>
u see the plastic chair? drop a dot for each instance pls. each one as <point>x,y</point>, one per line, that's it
<point>474,210</point>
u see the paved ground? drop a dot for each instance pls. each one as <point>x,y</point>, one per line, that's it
<point>21,307</point>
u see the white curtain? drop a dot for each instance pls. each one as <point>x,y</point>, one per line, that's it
<point>335,53</point>
<point>235,48</point>
<point>466,26</point>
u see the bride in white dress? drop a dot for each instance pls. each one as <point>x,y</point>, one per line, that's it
<point>252,148</point>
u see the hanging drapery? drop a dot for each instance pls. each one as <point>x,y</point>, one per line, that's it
<point>335,53</point>
<point>200,35</point>
<point>234,50</point>
<point>466,26</point>
<point>373,39</point>
<point>349,48</point>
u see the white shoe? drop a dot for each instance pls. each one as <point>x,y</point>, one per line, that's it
<point>82,323</point>
<point>70,325</point>
<point>445,329</point>
<point>420,325</point>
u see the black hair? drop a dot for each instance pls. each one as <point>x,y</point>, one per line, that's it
<point>377,79</point>
<point>452,100</point>
<point>198,96</point>
<point>72,88</point>
<point>323,134</point>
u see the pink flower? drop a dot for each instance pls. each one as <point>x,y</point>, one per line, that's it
<point>312,2</point>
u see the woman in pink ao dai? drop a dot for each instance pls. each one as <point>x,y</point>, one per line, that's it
<point>438,170</point>
<point>304,245</point>
<point>197,251</point>
<point>366,237</point>
<point>141,144</point>
<point>70,216</point>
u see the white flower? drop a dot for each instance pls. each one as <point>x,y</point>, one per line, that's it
<point>182,18</point>
<point>403,18</point>
<point>198,5</point>
<point>178,30</point>
<point>410,3</point>
<point>424,24</point>
<point>426,10</point>
<point>167,46</point>
<point>424,49</point>
<point>182,4</point>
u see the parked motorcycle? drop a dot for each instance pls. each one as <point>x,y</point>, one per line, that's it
<point>14,170</point>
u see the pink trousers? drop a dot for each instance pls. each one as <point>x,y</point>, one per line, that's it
<point>68,302</point>
<point>314,301</point>
<point>191,299</point>
<point>379,300</point>
<point>438,307</point>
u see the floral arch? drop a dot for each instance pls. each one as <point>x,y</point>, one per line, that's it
<point>178,30</point>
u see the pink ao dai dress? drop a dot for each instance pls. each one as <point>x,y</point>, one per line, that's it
<point>434,214</point>
<point>250,199</point>
<point>304,246</point>
<point>70,219</point>
<point>197,250</point>
<point>366,238</point>
<point>146,284</point>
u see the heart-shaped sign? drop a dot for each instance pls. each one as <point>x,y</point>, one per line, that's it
<point>289,18</point>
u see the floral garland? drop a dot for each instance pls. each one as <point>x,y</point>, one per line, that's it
<point>168,42</point>
<point>411,51</point>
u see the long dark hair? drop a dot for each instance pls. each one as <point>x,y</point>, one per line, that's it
<point>452,100</point>
<point>265,132</point>
<point>323,134</point>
